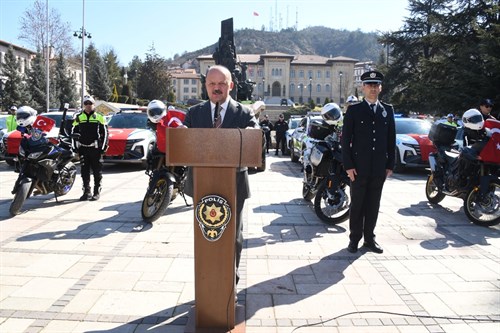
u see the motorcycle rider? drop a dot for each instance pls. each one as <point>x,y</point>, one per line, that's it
<point>485,107</point>
<point>473,127</point>
<point>91,145</point>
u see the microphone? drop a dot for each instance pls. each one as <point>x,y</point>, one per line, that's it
<point>216,113</point>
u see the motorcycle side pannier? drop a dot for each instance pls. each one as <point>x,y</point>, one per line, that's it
<point>442,134</point>
<point>319,130</point>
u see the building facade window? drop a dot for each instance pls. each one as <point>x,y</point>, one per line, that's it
<point>193,90</point>
<point>301,74</point>
<point>292,88</point>
<point>186,90</point>
<point>186,81</point>
<point>327,74</point>
<point>292,74</point>
<point>193,81</point>
<point>318,75</point>
<point>318,88</point>
<point>310,74</point>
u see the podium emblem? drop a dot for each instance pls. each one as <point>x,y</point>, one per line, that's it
<point>213,214</point>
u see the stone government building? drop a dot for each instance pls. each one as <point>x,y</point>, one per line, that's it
<point>295,77</point>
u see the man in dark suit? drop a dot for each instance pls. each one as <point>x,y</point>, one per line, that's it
<point>368,152</point>
<point>231,114</point>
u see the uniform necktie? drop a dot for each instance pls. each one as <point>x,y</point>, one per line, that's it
<point>373,107</point>
<point>217,116</point>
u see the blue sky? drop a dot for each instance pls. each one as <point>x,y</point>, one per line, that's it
<point>130,27</point>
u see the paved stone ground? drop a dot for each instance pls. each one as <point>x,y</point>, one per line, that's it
<point>79,267</point>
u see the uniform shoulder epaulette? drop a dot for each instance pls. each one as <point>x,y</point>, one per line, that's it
<point>386,104</point>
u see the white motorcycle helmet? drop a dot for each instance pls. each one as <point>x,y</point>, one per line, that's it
<point>331,113</point>
<point>156,111</point>
<point>473,119</point>
<point>25,116</point>
<point>88,98</point>
<point>351,99</point>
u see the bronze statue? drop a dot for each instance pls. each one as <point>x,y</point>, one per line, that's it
<point>225,55</point>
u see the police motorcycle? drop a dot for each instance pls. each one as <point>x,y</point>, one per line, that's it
<point>165,182</point>
<point>325,179</point>
<point>44,167</point>
<point>471,174</point>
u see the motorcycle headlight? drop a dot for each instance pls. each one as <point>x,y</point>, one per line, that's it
<point>36,155</point>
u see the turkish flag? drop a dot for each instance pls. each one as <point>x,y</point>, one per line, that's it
<point>255,14</point>
<point>44,124</point>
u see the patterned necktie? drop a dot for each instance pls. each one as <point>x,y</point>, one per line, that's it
<point>373,107</point>
<point>218,120</point>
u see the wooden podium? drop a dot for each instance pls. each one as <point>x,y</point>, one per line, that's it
<point>215,155</point>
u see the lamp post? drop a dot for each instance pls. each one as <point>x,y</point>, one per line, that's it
<point>340,88</point>
<point>263,88</point>
<point>82,34</point>
<point>301,86</point>
<point>310,88</point>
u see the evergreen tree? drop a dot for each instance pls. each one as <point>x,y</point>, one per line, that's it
<point>65,84</point>
<point>14,90</point>
<point>133,70</point>
<point>154,79</point>
<point>445,58</point>
<point>114,73</point>
<point>98,82</point>
<point>37,83</point>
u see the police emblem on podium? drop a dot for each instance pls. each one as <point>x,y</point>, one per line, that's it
<point>213,214</point>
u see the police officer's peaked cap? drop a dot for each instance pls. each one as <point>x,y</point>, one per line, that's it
<point>372,77</point>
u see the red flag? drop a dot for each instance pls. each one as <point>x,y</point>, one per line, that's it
<point>44,124</point>
<point>255,14</point>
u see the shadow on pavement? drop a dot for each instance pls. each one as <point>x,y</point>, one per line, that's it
<point>273,292</point>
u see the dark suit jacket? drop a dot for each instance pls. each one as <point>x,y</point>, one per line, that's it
<point>369,139</point>
<point>236,116</point>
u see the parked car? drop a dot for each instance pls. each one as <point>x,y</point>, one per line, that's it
<point>130,138</point>
<point>412,143</point>
<point>11,140</point>
<point>300,139</point>
<point>293,122</point>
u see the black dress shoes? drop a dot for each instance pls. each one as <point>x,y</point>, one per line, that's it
<point>373,246</point>
<point>352,247</point>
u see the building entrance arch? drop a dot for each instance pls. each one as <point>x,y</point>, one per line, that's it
<point>276,89</point>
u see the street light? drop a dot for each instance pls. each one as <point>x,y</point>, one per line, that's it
<point>82,34</point>
<point>263,88</point>
<point>310,88</point>
<point>340,89</point>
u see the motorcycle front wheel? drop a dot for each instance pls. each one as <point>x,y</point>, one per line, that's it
<point>483,211</point>
<point>432,192</point>
<point>19,198</point>
<point>157,199</point>
<point>332,206</point>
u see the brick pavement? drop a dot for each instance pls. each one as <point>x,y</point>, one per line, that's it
<point>79,266</point>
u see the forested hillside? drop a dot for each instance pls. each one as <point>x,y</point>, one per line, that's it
<point>313,40</point>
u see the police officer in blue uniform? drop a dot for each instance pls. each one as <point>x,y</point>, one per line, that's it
<point>368,152</point>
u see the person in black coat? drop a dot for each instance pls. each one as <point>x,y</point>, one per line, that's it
<point>368,152</point>
<point>281,126</point>
<point>232,114</point>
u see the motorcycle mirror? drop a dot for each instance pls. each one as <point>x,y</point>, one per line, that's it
<point>66,106</point>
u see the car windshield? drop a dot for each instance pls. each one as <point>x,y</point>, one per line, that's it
<point>294,123</point>
<point>3,122</point>
<point>129,120</point>
<point>413,127</point>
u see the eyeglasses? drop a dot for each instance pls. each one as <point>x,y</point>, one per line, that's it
<point>488,106</point>
<point>87,103</point>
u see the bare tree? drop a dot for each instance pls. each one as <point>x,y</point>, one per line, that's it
<point>34,29</point>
